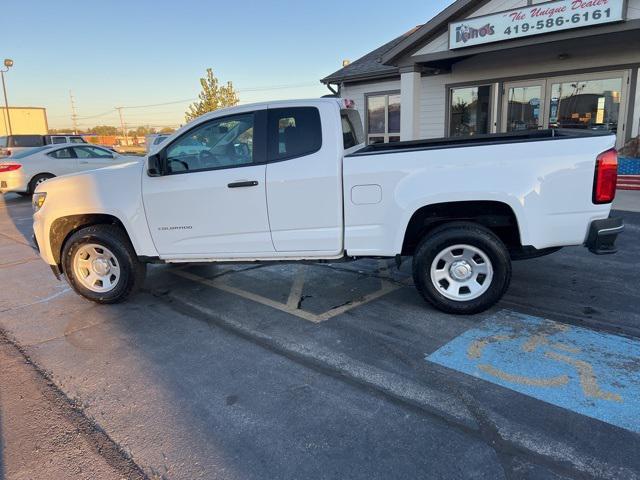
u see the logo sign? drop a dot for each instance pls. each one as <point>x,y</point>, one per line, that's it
<point>534,20</point>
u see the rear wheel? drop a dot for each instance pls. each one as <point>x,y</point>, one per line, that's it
<point>101,265</point>
<point>37,180</point>
<point>462,268</point>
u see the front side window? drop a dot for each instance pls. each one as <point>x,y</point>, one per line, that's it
<point>62,153</point>
<point>293,132</point>
<point>469,110</point>
<point>92,152</point>
<point>225,142</point>
<point>76,140</point>
<point>55,140</point>
<point>383,118</point>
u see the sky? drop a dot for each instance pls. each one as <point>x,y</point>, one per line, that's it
<point>142,52</point>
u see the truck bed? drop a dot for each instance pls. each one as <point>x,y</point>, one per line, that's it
<point>479,140</point>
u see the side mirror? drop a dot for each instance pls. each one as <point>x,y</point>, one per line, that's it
<point>154,166</point>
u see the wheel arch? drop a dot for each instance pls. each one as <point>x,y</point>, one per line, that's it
<point>62,228</point>
<point>33,177</point>
<point>497,216</point>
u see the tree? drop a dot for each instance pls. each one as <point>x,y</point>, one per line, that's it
<point>142,131</point>
<point>105,130</point>
<point>212,97</point>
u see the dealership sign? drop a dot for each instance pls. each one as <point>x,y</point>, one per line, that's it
<point>534,20</point>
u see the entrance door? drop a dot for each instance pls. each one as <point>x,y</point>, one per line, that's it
<point>523,106</point>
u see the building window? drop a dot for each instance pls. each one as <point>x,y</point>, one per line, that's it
<point>588,104</point>
<point>383,118</point>
<point>469,110</point>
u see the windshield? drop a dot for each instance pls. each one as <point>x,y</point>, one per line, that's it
<point>29,151</point>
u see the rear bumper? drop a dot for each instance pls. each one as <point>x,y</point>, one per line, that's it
<point>602,235</point>
<point>13,182</point>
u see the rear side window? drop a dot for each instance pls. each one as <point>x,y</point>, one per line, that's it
<point>352,132</point>
<point>26,141</point>
<point>293,132</point>
<point>76,140</point>
<point>62,153</point>
<point>58,140</point>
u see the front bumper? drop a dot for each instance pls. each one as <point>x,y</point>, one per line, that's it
<point>602,235</point>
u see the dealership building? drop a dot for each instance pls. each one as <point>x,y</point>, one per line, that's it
<point>488,66</point>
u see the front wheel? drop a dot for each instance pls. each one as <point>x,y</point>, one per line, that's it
<point>101,265</point>
<point>462,268</point>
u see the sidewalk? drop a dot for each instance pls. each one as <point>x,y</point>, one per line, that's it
<point>628,200</point>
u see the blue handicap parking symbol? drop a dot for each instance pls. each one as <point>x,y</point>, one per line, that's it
<point>592,373</point>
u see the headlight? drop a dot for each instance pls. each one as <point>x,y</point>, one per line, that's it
<point>38,200</point>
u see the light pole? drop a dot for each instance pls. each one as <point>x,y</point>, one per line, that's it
<point>8,63</point>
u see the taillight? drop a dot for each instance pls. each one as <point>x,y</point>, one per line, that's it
<point>606,177</point>
<point>9,167</point>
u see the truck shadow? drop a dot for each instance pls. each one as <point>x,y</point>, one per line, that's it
<point>20,213</point>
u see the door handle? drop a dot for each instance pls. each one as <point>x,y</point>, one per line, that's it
<point>251,183</point>
<point>84,161</point>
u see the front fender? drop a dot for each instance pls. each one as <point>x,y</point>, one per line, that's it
<point>109,195</point>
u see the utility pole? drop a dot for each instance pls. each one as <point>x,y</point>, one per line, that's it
<point>122,125</point>
<point>8,63</point>
<point>74,116</point>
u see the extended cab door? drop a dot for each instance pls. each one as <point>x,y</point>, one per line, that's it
<point>210,200</point>
<point>304,179</point>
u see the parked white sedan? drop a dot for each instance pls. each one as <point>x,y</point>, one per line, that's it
<point>29,168</point>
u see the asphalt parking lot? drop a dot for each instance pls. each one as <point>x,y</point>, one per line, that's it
<point>341,370</point>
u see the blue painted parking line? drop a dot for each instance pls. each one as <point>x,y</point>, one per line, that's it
<point>591,373</point>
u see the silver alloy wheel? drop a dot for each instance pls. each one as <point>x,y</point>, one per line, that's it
<point>41,180</point>
<point>96,268</point>
<point>461,272</point>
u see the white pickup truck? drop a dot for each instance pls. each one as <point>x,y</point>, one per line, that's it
<point>292,181</point>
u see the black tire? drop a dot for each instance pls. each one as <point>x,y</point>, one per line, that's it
<point>468,234</point>
<point>132,271</point>
<point>41,177</point>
